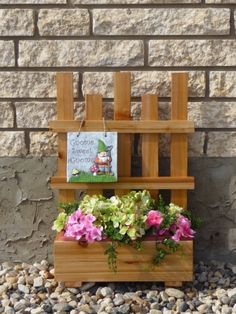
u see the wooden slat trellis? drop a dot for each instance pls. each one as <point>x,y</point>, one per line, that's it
<point>74,265</point>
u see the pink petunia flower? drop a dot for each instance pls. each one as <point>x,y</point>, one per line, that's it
<point>81,227</point>
<point>154,218</point>
<point>183,229</point>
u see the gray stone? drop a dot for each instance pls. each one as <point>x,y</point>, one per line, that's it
<point>155,306</point>
<point>203,308</point>
<point>176,293</point>
<point>37,310</point>
<point>106,291</point>
<point>192,52</point>
<point>202,277</point>
<point>60,307</point>
<point>43,143</point>
<point>231,292</point>
<point>77,53</point>
<point>143,82</point>
<point>226,309</point>
<point>161,21</point>
<point>34,114</point>
<point>9,310</point>
<point>223,84</point>
<point>221,144</point>
<point>7,53</point>
<point>23,288</point>
<point>63,22</point>
<point>12,143</point>
<point>18,306</point>
<point>183,307</point>
<point>38,282</point>
<point>7,115</point>
<point>16,22</point>
<point>119,299</point>
<point>30,84</point>
<point>153,311</point>
<point>3,289</point>
<point>124,308</point>
<point>164,296</point>
<point>225,300</point>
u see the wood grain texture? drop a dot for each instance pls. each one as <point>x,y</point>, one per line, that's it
<point>122,109</point>
<point>65,111</point>
<point>179,142</point>
<point>93,111</point>
<point>150,158</point>
<point>123,126</point>
<point>76,263</point>
<point>126,183</point>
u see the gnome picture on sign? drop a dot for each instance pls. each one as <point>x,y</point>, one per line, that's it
<point>92,157</point>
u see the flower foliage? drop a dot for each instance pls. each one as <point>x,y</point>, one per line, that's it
<point>128,219</point>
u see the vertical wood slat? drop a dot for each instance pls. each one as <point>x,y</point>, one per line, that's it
<point>65,111</point>
<point>179,142</point>
<point>122,108</point>
<point>150,162</point>
<point>93,111</point>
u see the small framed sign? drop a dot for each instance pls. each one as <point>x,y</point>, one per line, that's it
<point>91,157</point>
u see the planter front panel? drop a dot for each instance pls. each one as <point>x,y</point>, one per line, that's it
<point>83,264</point>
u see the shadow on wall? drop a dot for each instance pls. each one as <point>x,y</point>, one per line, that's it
<point>214,200</point>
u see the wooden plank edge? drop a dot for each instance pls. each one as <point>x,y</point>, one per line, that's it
<point>143,183</point>
<point>124,126</point>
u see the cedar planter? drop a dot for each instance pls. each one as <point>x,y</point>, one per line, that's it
<point>75,263</point>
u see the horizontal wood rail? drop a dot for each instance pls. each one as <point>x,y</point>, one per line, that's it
<point>129,183</point>
<point>123,126</point>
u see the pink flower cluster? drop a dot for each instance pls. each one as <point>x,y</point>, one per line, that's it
<point>183,229</point>
<point>154,218</point>
<point>80,226</point>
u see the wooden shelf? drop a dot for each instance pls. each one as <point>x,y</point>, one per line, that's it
<point>129,183</point>
<point>123,126</point>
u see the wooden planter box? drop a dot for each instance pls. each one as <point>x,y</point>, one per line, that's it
<point>77,264</point>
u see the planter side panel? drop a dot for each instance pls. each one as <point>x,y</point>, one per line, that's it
<point>76,263</point>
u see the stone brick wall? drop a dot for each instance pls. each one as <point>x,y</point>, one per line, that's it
<point>93,38</point>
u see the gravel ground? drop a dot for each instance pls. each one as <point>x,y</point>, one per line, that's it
<point>31,289</point>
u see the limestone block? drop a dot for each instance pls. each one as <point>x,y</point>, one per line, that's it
<point>12,143</point>
<point>48,53</point>
<point>7,54</point>
<point>211,52</point>
<point>153,21</point>
<point>34,114</point>
<point>154,82</point>
<point>195,147</point>
<point>213,114</point>
<point>223,84</point>
<point>30,84</point>
<point>221,144</point>
<point>43,143</point>
<point>16,22</point>
<point>63,22</point>
<point>6,115</point>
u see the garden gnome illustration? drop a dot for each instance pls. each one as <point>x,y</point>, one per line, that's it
<point>103,159</point>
